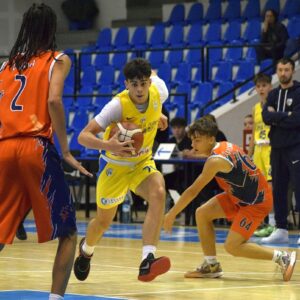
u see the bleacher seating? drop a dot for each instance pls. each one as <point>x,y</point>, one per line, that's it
<point>219,23</point>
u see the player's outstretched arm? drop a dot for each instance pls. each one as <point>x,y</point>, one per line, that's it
<point>211,167</point>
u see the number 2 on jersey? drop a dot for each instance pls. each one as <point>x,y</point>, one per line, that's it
<point>14,106</point>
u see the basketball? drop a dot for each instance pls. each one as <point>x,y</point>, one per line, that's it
<point>129,131</point>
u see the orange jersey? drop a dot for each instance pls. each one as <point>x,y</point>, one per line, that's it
<point>24,98</point>
<point>245,182</point>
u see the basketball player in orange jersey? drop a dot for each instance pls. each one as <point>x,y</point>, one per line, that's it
<point>246,200</point>
<point>119,171</point>
<point>31,109</point>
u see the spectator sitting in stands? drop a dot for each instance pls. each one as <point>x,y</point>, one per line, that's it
<point>274,35</point>
<point>175,180</point>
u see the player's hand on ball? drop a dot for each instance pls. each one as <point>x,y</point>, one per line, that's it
<point>168,222</point>
<point>124,149</point>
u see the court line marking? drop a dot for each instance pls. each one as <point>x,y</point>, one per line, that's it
<point>119,267</point>
<point>213,289</point>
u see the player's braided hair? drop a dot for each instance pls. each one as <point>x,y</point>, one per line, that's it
<point>37,35</point>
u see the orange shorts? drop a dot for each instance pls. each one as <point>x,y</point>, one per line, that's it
<point>245,219</point>
<point>31,176</point>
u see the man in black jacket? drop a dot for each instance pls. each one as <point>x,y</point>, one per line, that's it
<point>282,112</point>
<point>274,35</point>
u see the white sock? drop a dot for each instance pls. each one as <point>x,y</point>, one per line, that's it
<point>148,249</point>
<point>210,259</point>
<point>55,297</point>
<point>276,255</point>
<point>89,250</point>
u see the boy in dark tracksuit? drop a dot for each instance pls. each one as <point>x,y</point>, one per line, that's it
<point>282,112</point>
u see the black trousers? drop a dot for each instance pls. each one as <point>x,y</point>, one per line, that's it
<point>285,163</point>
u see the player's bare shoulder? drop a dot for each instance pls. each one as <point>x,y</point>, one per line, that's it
<point>218,164</point>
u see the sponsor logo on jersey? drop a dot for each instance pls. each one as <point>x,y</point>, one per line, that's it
<point>110,201</point>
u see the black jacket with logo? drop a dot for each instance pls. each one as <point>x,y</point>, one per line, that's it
<point>285,128</point>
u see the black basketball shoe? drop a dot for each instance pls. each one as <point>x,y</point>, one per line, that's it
<point>152,267</point>
<point>82,263</point>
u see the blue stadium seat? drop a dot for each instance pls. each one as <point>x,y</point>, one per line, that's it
<point>84,102</point>
<point>251,54</point>
<point>245,71</point>
<point>121,41</point>
<point>234,54</point>
<point>103,42</point>
<point>265,64</point>
<point>213,12</point>
<point>73,144</point>
<point>156,58</point>
<point>246,87</point>
<point>194,35</point>
<point>195,14</point>
<point>213,33</point>
<point>290,9</point>
<point>223,88</point>
<point>204,94</point>
<point>165,72</point>
<point>80,120</point>
<point>272,4</point>
<point>176,15</point>
<point>233,11</point>
<point>119,60</point>
<point>85,59</point>
<point>101,101</point>
<point>120,80</point>
<point>197,75</point>
<point>101,60</point>
<point>233,31</point>
<point>252,31</point>
<point>175,37</point>
<point>89,77</point>
<point>139,38</point>
<point>107,76</point>
<point>252,10</point>
<point>184,88</point>
<point>224,72</point>
<point>215,54</point>
<point>157,37</point>
<point>193,57</point>
<point>293,27</point>
<point>175,57</point>
<point>68,101</point>
<point>183,73</point>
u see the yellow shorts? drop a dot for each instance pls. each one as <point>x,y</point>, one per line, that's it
<point>115,180</point>
<point>261,158</point>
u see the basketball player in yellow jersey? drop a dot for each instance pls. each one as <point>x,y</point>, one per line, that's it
<point>119,171</point>
<point>259,148</point>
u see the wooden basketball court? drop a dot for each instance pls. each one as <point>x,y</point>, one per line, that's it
<point>25,270</point>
